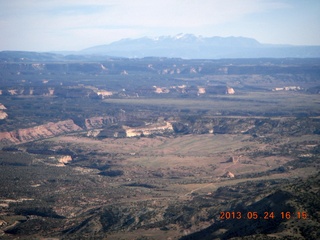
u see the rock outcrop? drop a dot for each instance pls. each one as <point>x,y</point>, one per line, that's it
<point>2,107</point>
<point>201,90</point>
<point>229,174</point>
<point>93,133</point>
<point>148,130</point>
<point>103,93</point>
<point>233,159</point>
<point>34,133</point>
<point>98,122</point>
<point>160,89</point>
<point>3,115</point>
<point>288,88</point>
<point>230,91</point>
<point>65,159</point>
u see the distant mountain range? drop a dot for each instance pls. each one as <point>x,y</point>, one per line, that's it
<point>187,46</point>
<point>190,46</point>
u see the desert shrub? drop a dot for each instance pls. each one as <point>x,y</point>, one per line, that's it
<point>111,173</point>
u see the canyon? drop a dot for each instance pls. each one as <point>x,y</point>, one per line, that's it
<point>157,148</point>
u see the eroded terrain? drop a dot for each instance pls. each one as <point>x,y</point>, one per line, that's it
<point>119,150</point>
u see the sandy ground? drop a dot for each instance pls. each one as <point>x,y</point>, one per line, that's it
<point>197,155</point>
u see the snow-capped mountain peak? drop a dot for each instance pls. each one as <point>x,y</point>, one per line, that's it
<point>179,36</point>
<point>191,46</point>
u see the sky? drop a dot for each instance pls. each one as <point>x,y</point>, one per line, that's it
<point>72,25</point>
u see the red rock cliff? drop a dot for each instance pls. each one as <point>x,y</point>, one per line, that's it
<point>34,133</point>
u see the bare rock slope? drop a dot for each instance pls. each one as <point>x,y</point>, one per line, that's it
<point>34,133</point>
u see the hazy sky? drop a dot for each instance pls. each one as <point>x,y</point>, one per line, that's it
<point>47,25</point>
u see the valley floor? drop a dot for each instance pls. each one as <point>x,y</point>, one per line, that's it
<point>135,183</point>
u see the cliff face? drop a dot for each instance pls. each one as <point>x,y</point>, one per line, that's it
<point>153,129</point>
<point>34,133</point>
<point>98,122</point>
<point>3,115</point>
<point>2,107</point>
<point>52,129</point>
<point>109,126</point>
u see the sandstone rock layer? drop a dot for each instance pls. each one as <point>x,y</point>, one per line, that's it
<point>39,132</point>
